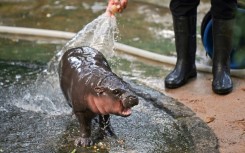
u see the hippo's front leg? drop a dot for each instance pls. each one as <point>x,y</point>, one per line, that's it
<point>85,129</point>
<point>105,126</point>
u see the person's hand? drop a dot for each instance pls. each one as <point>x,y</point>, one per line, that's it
<point>116,6</point>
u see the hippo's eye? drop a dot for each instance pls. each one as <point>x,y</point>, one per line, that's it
<point>116,91</point>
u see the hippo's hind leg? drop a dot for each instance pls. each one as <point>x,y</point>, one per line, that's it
<point>105,126</point>
<point>84,119</point>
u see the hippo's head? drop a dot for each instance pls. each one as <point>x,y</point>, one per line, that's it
<point>116,95</point>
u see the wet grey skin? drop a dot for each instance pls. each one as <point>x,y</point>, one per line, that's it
<point>91,89</point>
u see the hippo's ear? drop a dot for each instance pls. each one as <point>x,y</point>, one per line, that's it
<point>99,90</point>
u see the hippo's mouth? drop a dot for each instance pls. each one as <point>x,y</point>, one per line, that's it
<point>127,104</point>
<point>126,112</point>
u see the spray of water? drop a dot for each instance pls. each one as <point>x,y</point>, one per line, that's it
<point>99,34</point>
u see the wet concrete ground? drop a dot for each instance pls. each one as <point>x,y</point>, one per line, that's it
<point>223,114</point>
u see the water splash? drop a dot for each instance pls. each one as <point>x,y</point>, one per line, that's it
<point>42,96</point>
<point>99,34</point>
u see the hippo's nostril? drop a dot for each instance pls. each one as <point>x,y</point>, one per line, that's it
<point>133,100</point>
<point>130,101</point>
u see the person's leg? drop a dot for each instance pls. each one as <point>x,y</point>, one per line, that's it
<point>184,21</point>
<point>223,14</point>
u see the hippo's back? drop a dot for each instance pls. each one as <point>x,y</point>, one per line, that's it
<point>83,57</point>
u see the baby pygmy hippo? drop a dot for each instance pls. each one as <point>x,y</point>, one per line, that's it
<point>91,88</point>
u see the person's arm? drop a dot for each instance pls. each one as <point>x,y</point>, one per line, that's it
<point>116,6</point>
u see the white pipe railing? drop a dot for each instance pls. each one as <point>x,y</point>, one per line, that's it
<point>118,46</point>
